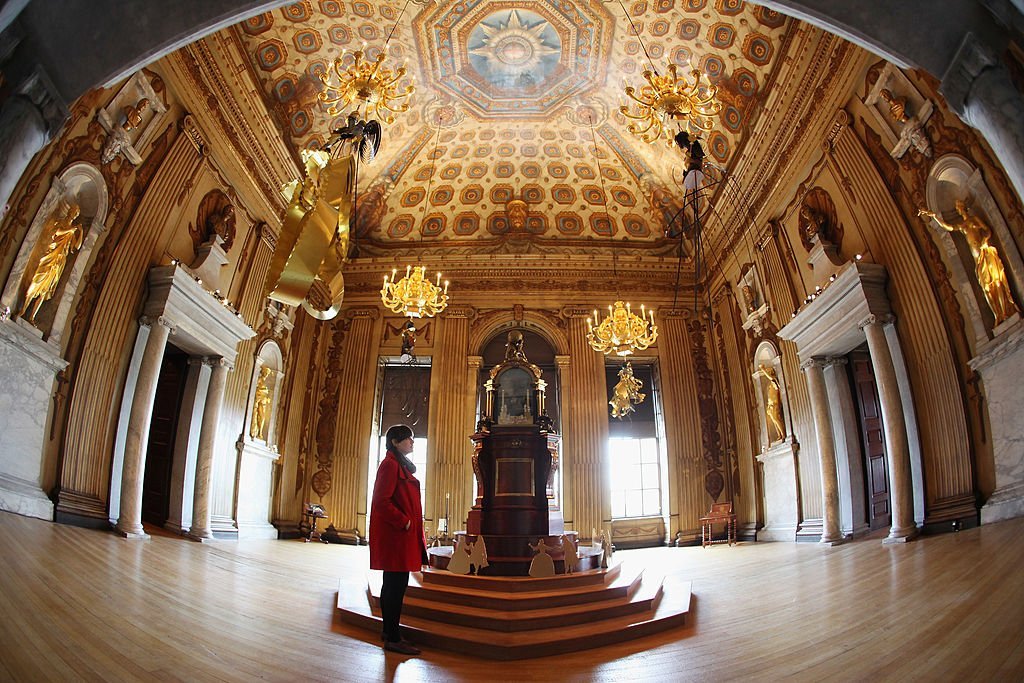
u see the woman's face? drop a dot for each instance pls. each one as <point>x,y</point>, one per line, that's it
<point>404,446</point>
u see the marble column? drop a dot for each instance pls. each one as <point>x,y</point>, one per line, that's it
<point>815,373</point>
<point>129,520</point>
<point>22,134</point>
<point>979,89</point>
<point>200,529</point>
<point>897,445</point>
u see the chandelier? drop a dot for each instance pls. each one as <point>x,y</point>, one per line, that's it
<point>414,295</point>
<point>623,331</point>
<point>369,82</point>
<point>669,96</point>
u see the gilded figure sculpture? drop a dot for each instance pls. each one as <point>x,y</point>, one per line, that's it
<point>65,239</point>
<point>133,115</point>
<point>773,403</point>
<point>261,407</point>
<point>988,266</point>
<point>626,392</point>
<point>897,106</point>
<point>748,298</point>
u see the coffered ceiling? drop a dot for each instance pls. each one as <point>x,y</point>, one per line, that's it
<point>508,93</point>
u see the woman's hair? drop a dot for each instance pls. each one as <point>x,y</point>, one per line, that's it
<point>397,433</point>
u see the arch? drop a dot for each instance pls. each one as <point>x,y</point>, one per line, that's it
<point>534,321</point>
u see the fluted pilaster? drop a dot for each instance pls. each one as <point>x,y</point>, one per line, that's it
<point>687,498</point>
<point>354,440</point>
<point>452,381</point>
<point>924,340</point>
<point>585,432</point>
<point>99,378</point>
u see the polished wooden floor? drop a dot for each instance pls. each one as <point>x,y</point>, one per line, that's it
<point>77,604</point>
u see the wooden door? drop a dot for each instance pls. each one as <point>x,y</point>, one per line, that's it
<point>872,439</point>
<point>156,482</point>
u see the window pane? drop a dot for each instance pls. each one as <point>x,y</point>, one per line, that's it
<point>649,475</point>
<point>618,504</point>
<point>649,450</point>
<point>634,504</point>
<point>652,502</point>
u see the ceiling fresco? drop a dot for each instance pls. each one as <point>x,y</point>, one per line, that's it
<point>516,99</point>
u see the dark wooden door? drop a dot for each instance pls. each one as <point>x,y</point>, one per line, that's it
<point>872,439</point>
<point>156,483</point>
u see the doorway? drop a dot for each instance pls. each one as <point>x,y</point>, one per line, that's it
<point>872,437</point>
<point>156,482</point>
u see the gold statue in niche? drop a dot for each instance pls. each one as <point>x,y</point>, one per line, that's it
<point>773,403</point>
<point>897,106</point>
<point>626,392</point>
<point>988,266</point>
<point>65,239</point>
<point>261,407</point>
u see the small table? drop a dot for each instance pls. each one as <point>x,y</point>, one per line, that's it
<point>720,512</point>
<point>312,513</point>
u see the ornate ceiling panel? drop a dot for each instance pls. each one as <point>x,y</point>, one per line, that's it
<point>508,92</point>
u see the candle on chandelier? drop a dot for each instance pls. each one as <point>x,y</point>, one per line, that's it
<point>439,279</point>
<point>446,287</point>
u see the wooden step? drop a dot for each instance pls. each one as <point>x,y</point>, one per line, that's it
<point>517,584</point>
<point>616,584</point>
<point>523,614</point>
<point>548,634</point>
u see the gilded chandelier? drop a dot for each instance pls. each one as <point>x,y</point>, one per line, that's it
<point>369,82</point>
<point>669,96</point>
<point>414,295</point>
<point>623,331</point>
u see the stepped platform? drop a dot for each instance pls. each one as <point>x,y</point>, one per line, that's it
<point>504,618</point>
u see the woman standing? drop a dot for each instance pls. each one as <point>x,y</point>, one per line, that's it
<point>397,545</point>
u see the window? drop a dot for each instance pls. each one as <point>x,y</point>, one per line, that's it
<point>635,457</point>
<point>635,477</point>
<point>404,399</point>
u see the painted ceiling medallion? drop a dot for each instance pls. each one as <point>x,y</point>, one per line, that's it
<point>515,59</point>
<point>511,53</point>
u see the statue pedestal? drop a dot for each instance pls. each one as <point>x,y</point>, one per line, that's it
<point>1000,363</point>
<point>255,487</point>
<point>28,366</point>
<point>780,493</point>
<point>515,502</point>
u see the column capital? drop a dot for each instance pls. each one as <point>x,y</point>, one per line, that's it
<point>834,360</point>
<point>463,312</point>
<point>816,362</point>
<point>162,320</point>
<point>370,312</point>
<point>683,313</point>
<point>576,312</point>
<point>880,319</point>
<point>474,362</point>
<point>217,362</point>
<point>972,57</point>
<point>563,362</point>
